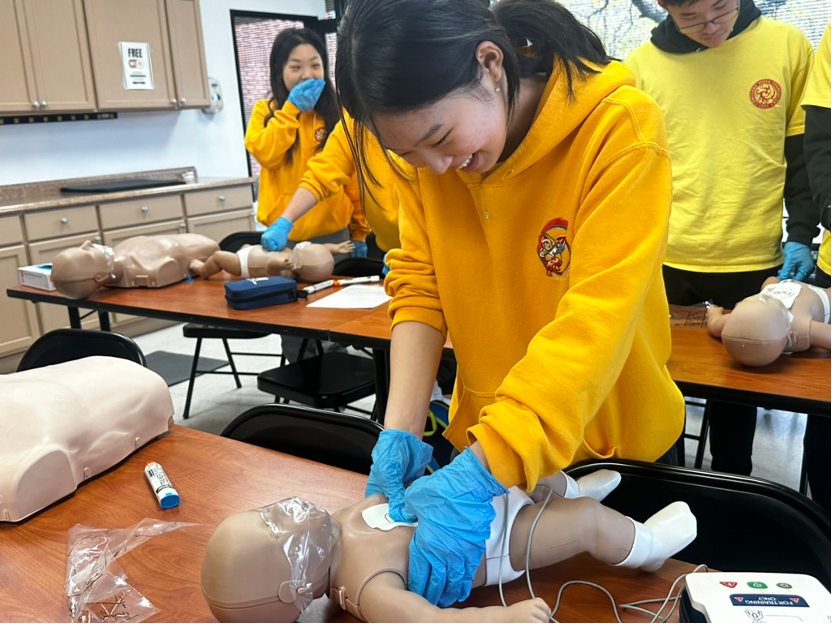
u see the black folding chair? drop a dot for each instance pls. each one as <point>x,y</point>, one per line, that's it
<point>340,440</point>
<point>64,345</point>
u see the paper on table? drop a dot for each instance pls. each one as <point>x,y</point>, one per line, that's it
<point>358,296</point>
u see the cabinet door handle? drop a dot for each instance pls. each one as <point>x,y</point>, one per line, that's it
<point>36,105</point>
<point>183,226</point>
<point>182,101</point>
<point>98,240</point>
<point>145,209</point>
<point>64,220</point>
<point>173,101</point>
<point>221,198</point>
<point>44,104</point>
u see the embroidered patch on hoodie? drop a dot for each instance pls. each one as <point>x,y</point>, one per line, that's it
<point>319,134</point>
<point>552,247</point>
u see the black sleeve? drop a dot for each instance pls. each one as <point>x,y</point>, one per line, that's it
<point>802,224</point>
<point>816,147</point>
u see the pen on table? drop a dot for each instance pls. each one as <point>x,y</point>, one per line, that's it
<point>339,282</point>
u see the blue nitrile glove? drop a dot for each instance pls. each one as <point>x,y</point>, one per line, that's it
<point>454,509</point>
<point>399,457</point>
<point>276,237</point>
<point>384,269</point>
<point>797,259</point>
<point>360,250</point>
<point>305,94</point>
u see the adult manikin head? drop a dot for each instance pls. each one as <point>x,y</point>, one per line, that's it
<point>267,564</point>
<point>78,272</point>
<point>757,332</point>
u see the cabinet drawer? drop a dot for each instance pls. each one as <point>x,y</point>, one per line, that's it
<point>217,200</point>
<point>218,226</point>
<point>10,231</point>
<point>140,211</point>
<point>57,223</point>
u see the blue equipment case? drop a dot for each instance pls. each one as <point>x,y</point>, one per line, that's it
<point>259,292</point>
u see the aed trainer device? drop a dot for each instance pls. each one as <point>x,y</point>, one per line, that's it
<point>754,597</point>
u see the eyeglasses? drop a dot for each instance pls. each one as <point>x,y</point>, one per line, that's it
<point>719,19</point>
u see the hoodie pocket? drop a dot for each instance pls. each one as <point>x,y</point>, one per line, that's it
<point>465,413</point>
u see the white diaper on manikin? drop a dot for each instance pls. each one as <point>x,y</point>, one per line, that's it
<point>496,548</point>
<point>242,254</point>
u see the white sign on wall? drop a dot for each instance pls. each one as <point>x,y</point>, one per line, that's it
<point>135,63</point>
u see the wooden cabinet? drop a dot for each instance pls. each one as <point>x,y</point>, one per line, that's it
<point>219,226</point>
<point>135,21</point>
<point>187,54</point>
<point>19,326</point>
<point>134,212</point>
<point>171,28</point>
<point>44,57</point>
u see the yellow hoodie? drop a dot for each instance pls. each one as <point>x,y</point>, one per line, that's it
<point>546,272</point>
<point>279,179</point>
<point>330,170</point>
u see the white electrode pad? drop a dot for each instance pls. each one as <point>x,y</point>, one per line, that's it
<point>378,517</point>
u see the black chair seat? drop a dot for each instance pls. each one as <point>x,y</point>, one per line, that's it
<point>332,438</point>
<point>192,330</point>
<point>744,524</point>
<point>329,380</point>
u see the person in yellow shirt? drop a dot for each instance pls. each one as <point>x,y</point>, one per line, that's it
<point>333,168</point>
<point>534,200</point>
<point>729,82</point>
<point>288,129</point>
<point>816,144</point>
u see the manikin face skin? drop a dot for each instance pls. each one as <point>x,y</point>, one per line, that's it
<point>464,130</point>
<point>304,63</point>
<point>692,13</point>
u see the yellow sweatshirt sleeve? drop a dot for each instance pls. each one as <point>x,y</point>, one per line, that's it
<point>358,226</point>
<point>800,78</point>
<point>412,279</point>
<point>536,424</point>
<point>332,168</point>
<point>269,144</point>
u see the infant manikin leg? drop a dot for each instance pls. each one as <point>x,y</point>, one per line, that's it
<point>663,535</point>
<point>596,485</point>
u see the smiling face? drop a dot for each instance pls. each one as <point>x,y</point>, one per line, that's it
<point>304,63</point>
<point>707,22</point>
<point>465,129</point>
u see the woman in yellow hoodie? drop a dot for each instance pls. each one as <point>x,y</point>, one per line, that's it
<point>288,129</point>
<point>533,223</point>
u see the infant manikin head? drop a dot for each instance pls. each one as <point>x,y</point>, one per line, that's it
<point>268,564</point>
<point>316,262</point>
<point>757,332</point>
<point>79,271</point>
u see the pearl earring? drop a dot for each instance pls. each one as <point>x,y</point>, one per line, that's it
<point>497,89</point>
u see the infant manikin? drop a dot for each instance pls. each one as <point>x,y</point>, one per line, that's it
<point>308,262</point>
<point>141,261</point>
<point>62,424</point>
<point>268,564</point>
<point>786,316</point>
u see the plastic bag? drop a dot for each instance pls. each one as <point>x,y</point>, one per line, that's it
<point>96,586</point>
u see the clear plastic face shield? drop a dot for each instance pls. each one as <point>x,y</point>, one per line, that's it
<point>307,534</point>
<point>781,308</point>
<point>110,255</point>
<point>296,249</point>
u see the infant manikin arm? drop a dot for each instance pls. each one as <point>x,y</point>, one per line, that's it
<point>716,318</point>
<point>385,599</point>
<point>820,335</point>
<point>218,261</point>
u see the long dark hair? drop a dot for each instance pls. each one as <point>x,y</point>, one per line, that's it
<point>327,106</point>
<point>402,55</point>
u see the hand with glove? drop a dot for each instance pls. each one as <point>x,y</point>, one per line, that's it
<point>797,262</point>
<point>454,510</point>
<point>399,457</point>
<point>277,236</point>
<point>360,250</point>
<point>305,94</point>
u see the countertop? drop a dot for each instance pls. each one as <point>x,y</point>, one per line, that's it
<point>20,198</point>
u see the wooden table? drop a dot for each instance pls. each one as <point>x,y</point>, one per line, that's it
<point>216,477</point>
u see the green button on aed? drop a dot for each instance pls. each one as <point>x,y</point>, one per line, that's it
<point>757,585</point>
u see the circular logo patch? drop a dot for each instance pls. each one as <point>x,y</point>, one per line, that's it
<point>552,248</point>
<point>765,93</point>
<point>319,134</point>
